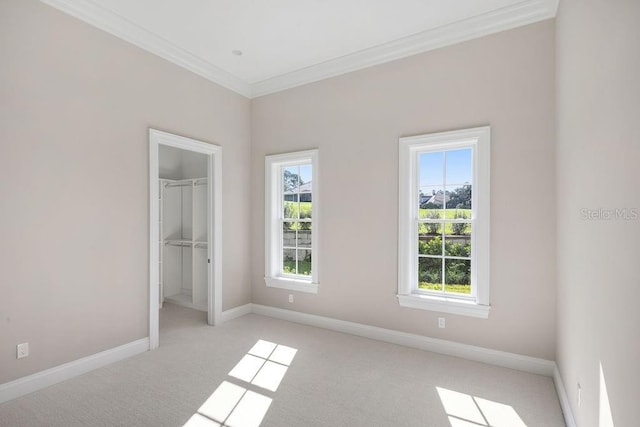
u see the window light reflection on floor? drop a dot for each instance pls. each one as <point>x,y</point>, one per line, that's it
<point>265,365</point>
<point>198,420</point>
<point>247,368</point>
<point>465,410</point>
<point>231,405</point>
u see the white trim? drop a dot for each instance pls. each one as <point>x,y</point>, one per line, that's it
<point>214,251</point>
<point>273,215</point>
<point>409,148</point>
<point>126,30</point>
<point>564,399</point>
<point>154,249</point>
<point>292,284</point>
<point>235,312</point>
<point>517,15</point>
<point>42,379</point>
<point>513,16</point>
<point>465,351</point>
<point>445,305</point>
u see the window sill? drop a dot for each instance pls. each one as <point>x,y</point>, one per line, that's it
<point>292,284</point>
<point>445,305</point>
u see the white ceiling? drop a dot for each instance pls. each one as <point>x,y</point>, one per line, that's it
<point>285,43</point>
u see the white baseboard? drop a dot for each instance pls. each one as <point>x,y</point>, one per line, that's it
<point>479,354</point>
<point>40,380</point>
<point>235,312</point>
<point>564,399</point>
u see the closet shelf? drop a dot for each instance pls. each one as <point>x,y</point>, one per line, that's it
<point>184,272</point>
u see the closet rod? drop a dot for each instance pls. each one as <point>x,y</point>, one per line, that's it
<point>184,184</point>
<point>182,245</point>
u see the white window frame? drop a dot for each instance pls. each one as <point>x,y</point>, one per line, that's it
<point>477,304</point>
<point>274,276</point>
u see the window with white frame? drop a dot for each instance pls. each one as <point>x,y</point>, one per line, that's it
<point>443,253</point>
<point>291,221</point>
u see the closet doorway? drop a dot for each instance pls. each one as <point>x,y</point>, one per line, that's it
<point>185,240</point>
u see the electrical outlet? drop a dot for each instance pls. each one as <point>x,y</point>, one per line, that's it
<point>579,395</point>
<point>22,350</point>
<point>441,322</point>
<point>290,297</point>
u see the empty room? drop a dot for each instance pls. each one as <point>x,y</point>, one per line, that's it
<point>320,213</point>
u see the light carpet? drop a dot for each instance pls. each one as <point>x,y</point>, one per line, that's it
<point>333,379</point>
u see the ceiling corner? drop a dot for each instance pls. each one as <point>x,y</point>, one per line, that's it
<point>124,29</point>
<point>509,17</point>
<point>517,15</point>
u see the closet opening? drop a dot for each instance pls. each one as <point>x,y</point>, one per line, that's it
<point>185,230</point>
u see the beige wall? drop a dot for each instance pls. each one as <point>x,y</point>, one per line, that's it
<point>505,80</point>
<point>76,103</point>
<point>598,102</point>
<point>75,108</point>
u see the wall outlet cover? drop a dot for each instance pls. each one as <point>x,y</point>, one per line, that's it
<point>22,350</point>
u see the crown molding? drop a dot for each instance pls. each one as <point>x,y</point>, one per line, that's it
<point>517,15</point>
<point>124,29</point>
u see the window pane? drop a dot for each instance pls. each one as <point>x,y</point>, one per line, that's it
<point>305,178</point>
<point>305,205</point>
<point>459,167</point>
<point>459,228</point>
<point>431,184</point>
<point>429,244</point>
<point>456,243</point>
<point>290,180</point>
<point>430,228</point>
<point>430,273</point>
<point>459,197</point>
<point>431,169</point>
<point>304,262</point>
<point>458,239</point>
<point>289,234</point>
<point>290,206</point>
<point>304,235</point>
<point>459,178</point>
<point>305,189</point>
<point>289,261</point>
<point>431,202</point>
<point>457,276</point>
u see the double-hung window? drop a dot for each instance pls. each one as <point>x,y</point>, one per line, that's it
<point>443,253</point>
<point>291,221</point>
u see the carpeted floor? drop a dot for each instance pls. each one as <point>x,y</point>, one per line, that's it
<point>332,379</point>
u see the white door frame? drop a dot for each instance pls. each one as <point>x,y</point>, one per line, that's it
<point>214,219</point>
